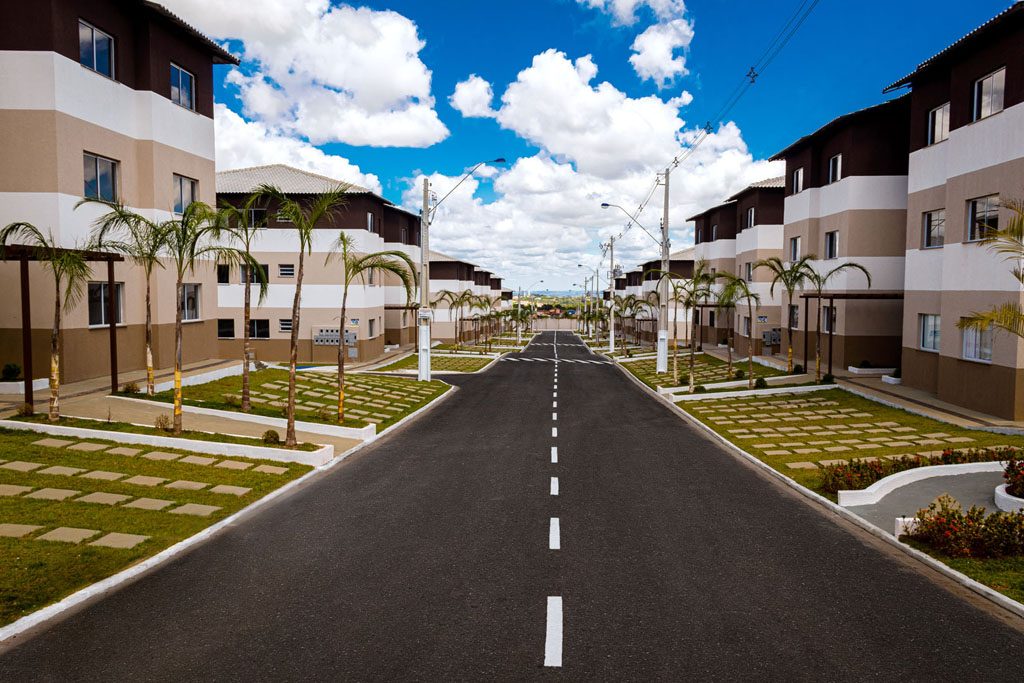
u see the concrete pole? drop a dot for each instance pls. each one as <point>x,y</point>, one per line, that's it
<point>662,363</point>
<point>423,373</point>
<point>611,295</point>
<point>519,319</point>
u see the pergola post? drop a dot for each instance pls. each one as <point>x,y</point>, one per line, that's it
<point>831,329</point>
<point>26,333</point>
<point>112,322</point>
<point>807,329</point>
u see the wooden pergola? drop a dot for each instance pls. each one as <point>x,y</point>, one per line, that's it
<point>24,254</point>
<point>832,296</point>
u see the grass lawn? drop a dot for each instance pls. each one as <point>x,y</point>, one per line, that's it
<point>38,572</point>
<point>449,363</point>
<point>1004,574</point>
<point>82,423</point>
<point>369,399</point>
<point>706,370</point>
<point>463,348</point>
<point>829,425</point>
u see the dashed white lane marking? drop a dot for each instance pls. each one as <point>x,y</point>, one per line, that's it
<point>554,394</point>
<point>554,486</point>
<point>554,431</point>
<point>554,404</point>
<point>554,416</point>
<point>553,637</point>
<point>554,535</point>
<point>554,454</point>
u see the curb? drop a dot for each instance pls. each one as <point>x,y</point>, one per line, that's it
<point>967,582</point>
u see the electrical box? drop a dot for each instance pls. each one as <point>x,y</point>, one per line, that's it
<point>772,337</point>
<point>353,353</point>
<point>350,338</point>
<point>327,336</point>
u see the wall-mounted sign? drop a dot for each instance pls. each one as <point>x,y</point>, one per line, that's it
<point>762,318</point>
<point>354,321</point>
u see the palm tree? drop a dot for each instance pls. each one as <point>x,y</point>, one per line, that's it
<point>1008,316</point>
<point>624,303</point>
<point>361,266</point>
<point>677,296</point>
<point>70,272</point>
<point>739,290</point>
<point>304,217</point>
<point>725,302</point>
<point>818,282</point>
<point>456,302</point>
<point>141,240</point>
<point>697,288</point>
<point>792,278</point>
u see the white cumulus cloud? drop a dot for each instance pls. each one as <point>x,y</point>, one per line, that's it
<point>655,51</point>
<point>473,97</point>
<point>624,11</point>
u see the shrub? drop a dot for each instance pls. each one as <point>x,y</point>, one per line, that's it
<point>26,410</point>
<point>898,373</point>
<point>130,388</point>
<point>10,372</point>
<point>163,423</point>
<point>854,475</point>
<point>739,374</point>
<point>864,364</point>
<point>700,389</point>
<point>798,369</point>
<point>760,383</point>
<point>271,437</point>
<point>945,527</point>
<point>1014,476</point>
<point>324,414</point>
<point>828,378</point>
<point>232,401</point>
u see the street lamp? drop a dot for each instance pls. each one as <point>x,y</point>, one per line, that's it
<point>519,301</point>
<point>427,215</point>
<point>596,280</point>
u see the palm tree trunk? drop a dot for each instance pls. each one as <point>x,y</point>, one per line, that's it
<point>150,386</point>
<point>750,346</point>
<point>817,344</point>
<point>55,359</point>
<point>728,342</point>
<point>789,337</point>
<point>177,356</point>
<point>245,341</point>
<point>675,347</point>
<point>341,357</point>
<point>693,332</point>
<point>293,353</point>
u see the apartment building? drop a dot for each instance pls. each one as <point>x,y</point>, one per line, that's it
<point>455,275</point>
<point>846,202</point>
<point>714,237</point>
<point>401,233</point>
<point>680,264</point>
<point>966,160</point>
<point>109,99</point>
<point>276,248</point>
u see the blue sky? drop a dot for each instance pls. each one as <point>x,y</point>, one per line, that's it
<point>839,61</point>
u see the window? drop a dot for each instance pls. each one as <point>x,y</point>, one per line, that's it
<point>372,326</point>
<point>369,278</point>
<point>98,303</point>
<point>225,328</point>
<point>190,302</point>
<point>835,168</point>
<point>988,94</point>
<point>746,326</point>
<point>95,49</point>
<point>259,328</point>
<point>183,87</point>
<point>750,217</point>
<point>369,221</point>
<point>938,124</point>
<point>284,324</point>
<point>749,272</point>
<point>711,318</point>
<point>934,228</point>
<point>184,192</point>
<point>405,318</point>
<point>282,217</point>
<point>828,319</point>
<point>286,270</point>
<point>714,232</point>
<point>798,180</point>
<point>243,272</point>
<point>983,217</point>
<point>257,218</point>
<point>978,344</point>
<point>794,248</point>
<point>696,316</point>
<point>930,329</point>
<point>794,317</point>
<point>699,233</point>
<point>223,274</point>
<point>405,235</point>
<point>832,244</point>
<point>100,177</point>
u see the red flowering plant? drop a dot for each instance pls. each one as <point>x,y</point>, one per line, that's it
<point>945,527</point>
<point>855,475</point>
<point>1014,476</point>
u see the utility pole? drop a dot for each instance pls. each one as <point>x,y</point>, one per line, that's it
<point>519,314</point>
<point>662,363</point>
<point>611,295</point>
<point>423,373</point>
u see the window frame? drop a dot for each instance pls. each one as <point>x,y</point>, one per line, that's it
<point>178,182</point>
<point>798,180</point>
<point>282,218</point>
<point>113,49</point>
<point>191,106</point>
<point>828,319</point>
<point>243,275</point>
<point>371,221</point>
<point>921,331</point>
<point>714,232</point>
<point>118,303</point>
<point>932,139</point>
<point>747,326</point>
<point>835,171</point>
<point>794,316</point>
<point>748,272</point>
<point>115,169</point>
<point>197,289</point>
<point>281,270</point>
<point>223,274</point>
<point>979,343</point>
<point>926,224</point>
<point>834,251</point>
<point>254,328</point>
<point>220,322</point>
<point>750,216</point>
<point>371,324</point>
<point>976,97</point>
<point>794,248</point>
<point>971,217</point>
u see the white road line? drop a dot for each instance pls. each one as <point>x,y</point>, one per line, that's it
<point>554,404</point>
<point>554,535</point>
<point>554,486</point>
<point>554,417</point>
<point>554,394</point>
<point>554,454</point>
<point>554,431</point>
<point>553,636</point>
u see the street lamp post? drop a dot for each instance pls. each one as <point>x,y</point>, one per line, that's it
<point>611,295</point>
<point>519,310</point>
<point>423,366</point>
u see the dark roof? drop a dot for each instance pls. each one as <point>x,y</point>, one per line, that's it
<point>769,183</point>
<point>220,55</point>
<point>831,125</point>
<point>964,42</point>
<point>713,208</point>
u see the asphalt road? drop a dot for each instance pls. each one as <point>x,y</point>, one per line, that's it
<point>427,557</point>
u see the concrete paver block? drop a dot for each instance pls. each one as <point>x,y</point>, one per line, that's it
<point>103,498</point>
<point>148,504</point>
<point>140,480</point>
<point>270,469</point>
<point>12,490</point>
<point>233,465</point>
<point>801,466</point>
<point>68,534</point>
<point>87,446</point>
<point>17,530</point>
<point>22,466</point>
<point>187,485</point>
<point>194,509</point>
<point>198,460</point>
<point>832,462</point>
<point>230,490</point>
<point>60,470</point>
<point>960,439</point>
<point>53,494</point>
<point>837,449</point>
<point>116,540</point>
<point>807,451</point>
<point>869,459</point>
<point>103,476</point>
<point>897,444</point>
<point>123,450</point>
<point>778,452</point>
<point>161,455</point>
<point>52,443</point>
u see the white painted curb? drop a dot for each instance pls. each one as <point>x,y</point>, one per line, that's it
<point>748,393</point>
<point>315,458</point>
<point>883,487</point>
<point>201,378</point>
<point>18,387</point>
<point>361,433</point>
<point>889,379</point>
<point>1006,502</point>
<point>778,379</point>
<point>869,371</point>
